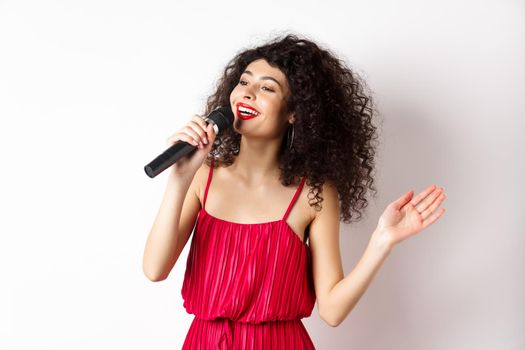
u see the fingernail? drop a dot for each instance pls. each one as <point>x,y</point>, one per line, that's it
<point>206,141</point>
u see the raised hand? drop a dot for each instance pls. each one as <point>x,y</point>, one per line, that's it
<point>195,132</point>
<point>407,216</point>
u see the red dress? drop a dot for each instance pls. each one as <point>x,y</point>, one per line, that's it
<point>248,285</point>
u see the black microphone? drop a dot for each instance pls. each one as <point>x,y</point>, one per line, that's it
<point>221,118</point>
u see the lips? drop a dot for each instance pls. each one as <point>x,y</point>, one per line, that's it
<point>246,106</point>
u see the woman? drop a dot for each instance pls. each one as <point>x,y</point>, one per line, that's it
<point>298,158</point>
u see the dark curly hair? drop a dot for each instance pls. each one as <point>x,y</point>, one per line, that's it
<point>334,138</point>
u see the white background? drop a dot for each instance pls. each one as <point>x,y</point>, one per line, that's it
<point>90,90</point>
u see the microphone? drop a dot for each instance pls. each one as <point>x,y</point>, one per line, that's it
<point>221,118</point>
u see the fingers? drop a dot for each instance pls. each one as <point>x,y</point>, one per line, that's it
<point>401,201</point>
<point>436,203</point>
<point>180,136</point>
<point>211,132</point>
<point>429,205</point>
<point>429,221</point>
<point>417,199</point>
<point>195,132</point>
<point>431,201</point>
<point>197,128</point>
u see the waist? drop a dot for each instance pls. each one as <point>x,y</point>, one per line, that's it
<point>230,332</point>
<point>242,322</point>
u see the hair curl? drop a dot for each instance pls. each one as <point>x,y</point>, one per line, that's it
<point>334,138</point>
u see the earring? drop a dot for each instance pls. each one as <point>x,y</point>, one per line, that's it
<point>290,137</point>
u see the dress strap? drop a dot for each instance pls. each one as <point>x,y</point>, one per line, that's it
<point>297,193</point>
<point>208,184</point>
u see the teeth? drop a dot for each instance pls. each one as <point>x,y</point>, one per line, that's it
<point>247,110</point>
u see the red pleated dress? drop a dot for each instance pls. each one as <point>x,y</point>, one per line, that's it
<point>248,285</point>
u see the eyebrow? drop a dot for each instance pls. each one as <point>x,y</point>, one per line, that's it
<point>264,78</point>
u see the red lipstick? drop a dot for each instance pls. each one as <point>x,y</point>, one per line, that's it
<point>246,115</point>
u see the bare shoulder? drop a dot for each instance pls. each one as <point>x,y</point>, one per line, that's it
<point>330,202</point>
<point>199,181</point>
<point>328,207</point>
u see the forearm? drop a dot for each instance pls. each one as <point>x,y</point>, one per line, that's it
<point>162,239</point>
<point>345,294</point>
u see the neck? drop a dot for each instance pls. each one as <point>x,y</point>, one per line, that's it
<point>257,161</point>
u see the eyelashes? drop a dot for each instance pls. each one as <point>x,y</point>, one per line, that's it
<point>264,87</point>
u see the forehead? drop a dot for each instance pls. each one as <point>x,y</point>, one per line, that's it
<point>261,67</point>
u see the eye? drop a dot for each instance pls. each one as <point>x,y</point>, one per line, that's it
<point>243,82</point>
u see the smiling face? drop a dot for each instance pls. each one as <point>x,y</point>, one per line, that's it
<point>259,100</point>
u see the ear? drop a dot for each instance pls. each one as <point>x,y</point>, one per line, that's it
<point>291,118</point>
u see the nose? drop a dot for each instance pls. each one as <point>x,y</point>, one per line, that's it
<point>248,94</point>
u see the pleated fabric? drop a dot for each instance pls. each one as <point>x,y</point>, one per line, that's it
<point>248,285</point>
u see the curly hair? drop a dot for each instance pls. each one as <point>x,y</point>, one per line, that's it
<point>334,138</point>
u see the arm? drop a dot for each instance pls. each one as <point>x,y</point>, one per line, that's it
<point>336,295</point>
<point>173,225</point>
<point>346,293</point>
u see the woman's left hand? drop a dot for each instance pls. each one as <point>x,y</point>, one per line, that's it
<point>407,216</point>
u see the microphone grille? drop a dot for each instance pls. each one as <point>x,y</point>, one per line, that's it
<point>222,117</point>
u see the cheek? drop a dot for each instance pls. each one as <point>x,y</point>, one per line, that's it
<point>235,90</point>
<point>272,106</point>
<point>233,94</point>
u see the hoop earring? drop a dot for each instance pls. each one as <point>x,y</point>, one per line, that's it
<point>290,138</point>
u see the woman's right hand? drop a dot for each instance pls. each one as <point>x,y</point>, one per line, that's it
<point>195,133</point>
